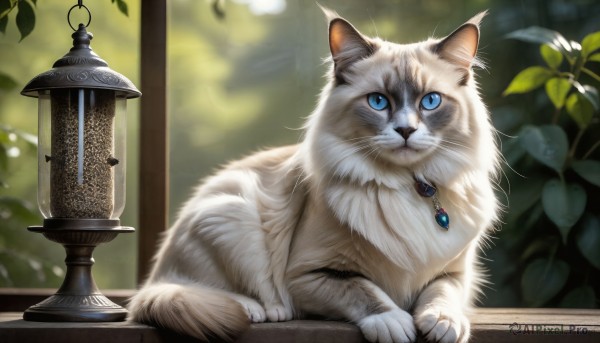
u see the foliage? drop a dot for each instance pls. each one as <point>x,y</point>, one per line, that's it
<point>17,266</point>
<point>560,250</point>
<point>25,22</point>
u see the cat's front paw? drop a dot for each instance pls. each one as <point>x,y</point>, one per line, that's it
<point>254,310</point>
<point>278,313</point>
<point>441,325</point>
<point>395,326</point>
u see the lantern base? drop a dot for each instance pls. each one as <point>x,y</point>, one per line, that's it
<point>76,308</point>
<point>78,299</point>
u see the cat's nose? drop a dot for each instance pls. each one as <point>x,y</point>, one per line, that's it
<point>405,131</point>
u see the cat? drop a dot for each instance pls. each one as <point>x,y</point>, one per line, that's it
<point>345,225</point>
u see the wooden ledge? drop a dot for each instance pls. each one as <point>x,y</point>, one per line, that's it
<point>488,325</point>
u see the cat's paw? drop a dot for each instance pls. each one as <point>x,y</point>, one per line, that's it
<point>278,313</point>
<point>256,313</point>
<point>441,325</point>
<point>395,326</point>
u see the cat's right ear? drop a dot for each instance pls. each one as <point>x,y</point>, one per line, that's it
<point>346,44</point>
<point>345,39</point>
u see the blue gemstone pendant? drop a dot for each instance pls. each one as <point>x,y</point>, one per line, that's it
<point>442,218</point>
<point>429,191</point>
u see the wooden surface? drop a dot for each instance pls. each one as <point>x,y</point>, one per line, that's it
<point>154,158</point>
<point>488,325</point>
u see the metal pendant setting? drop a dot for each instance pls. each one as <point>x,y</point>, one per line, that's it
<point>429,191</point>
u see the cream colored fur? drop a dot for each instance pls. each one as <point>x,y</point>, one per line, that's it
<point>333,226</point>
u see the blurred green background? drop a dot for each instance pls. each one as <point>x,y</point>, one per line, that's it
<point>243,76</point>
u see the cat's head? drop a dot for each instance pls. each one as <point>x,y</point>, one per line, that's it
<point>391,107</point>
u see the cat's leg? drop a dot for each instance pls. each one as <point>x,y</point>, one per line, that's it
<point>352,297</point>
<point>231,225</point>
<point>440,308</point>
<point>439,311</point>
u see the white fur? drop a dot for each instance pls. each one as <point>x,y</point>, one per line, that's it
<point>389,327</point>
<point>267,233</point>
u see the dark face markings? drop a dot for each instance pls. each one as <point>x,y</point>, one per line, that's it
<point>368,117</point>
<point>442,116</point>
<point>405,94</point>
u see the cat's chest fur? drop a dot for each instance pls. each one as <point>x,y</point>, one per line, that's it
<point>401,224</point>
<point>389,235</point>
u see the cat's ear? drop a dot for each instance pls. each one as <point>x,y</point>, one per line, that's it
<point>346,44</point>
<point>345,39</point>
<point>460,47</point>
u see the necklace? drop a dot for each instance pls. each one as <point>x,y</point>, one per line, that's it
<point>429,191</point>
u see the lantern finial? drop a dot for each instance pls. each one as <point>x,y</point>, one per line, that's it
<point>81,38</point>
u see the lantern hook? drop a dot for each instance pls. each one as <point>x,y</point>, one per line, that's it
<point>79,5</point>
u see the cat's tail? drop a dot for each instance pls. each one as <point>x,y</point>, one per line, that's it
<point>189,309</point>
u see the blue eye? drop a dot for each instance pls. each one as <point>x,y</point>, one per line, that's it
<point>431,101</point>
<point>378,101</point>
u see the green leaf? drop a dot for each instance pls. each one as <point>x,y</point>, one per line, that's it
<point>122,5</point>
<point>588,239</point>
<point>3,23</point>
<point>589,170</point>
<point>7,83</point>
<point>590,93</point>
<point>580,297</point>
<point>590,43</point>
<point>552,56</point>
<point>3,158</point>
<point>580,109</point>
<point>595,57</point>
<point>513,151</point>
<point>542,280</point>
<point>25,19</point>
<point>564,204</point>
<point>557,89</point>
<point>547,144</point>
<point>528,80</point>
<point>5,7</point>
<point>540,35</point>
<point>508,118</point>
<point>524,196</point>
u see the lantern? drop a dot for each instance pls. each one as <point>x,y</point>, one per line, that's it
<point>81,172</point>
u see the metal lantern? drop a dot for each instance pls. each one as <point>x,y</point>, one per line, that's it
<point>81,172</point>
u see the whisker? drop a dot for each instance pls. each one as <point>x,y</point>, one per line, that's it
<point>455,144</point>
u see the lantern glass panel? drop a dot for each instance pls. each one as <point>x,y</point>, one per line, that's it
<point>81,154</point>
<point>44,153</point>
<point>119,152</point>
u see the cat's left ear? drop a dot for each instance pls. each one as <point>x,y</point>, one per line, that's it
<point>460,47</point>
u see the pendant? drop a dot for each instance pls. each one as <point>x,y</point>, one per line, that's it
<point>429,191</point>
<point>442,218</point>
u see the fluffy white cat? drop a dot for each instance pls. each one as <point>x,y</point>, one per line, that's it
<point>346,225</point>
